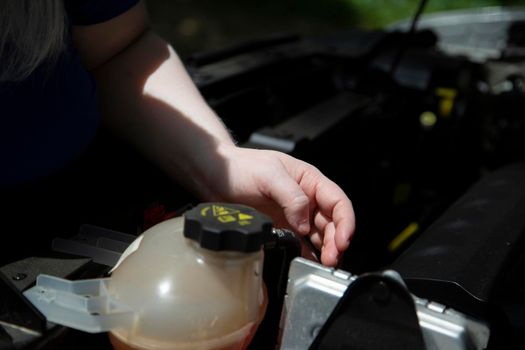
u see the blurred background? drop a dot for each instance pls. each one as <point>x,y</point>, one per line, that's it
<point>204,25</point>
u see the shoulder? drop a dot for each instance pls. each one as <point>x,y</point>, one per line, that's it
<point>100,40</point>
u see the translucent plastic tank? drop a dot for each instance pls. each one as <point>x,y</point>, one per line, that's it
<point>185,296</point>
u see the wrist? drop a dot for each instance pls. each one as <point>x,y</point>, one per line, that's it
<point>207,170</point>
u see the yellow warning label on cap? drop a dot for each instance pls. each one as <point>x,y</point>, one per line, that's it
<point>226,215</point>
<point>220,211</point>
<point>226,218</point>
<point>245,216</point>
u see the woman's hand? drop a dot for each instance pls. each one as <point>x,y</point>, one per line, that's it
<point>294,193</point>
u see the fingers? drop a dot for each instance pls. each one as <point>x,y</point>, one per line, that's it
<point>329,253</point>
<point>317,240</point>
<point>334,221</point>
<point>289,196</point>
<point>302,192</point>
<point>326,239</point>
<point>334,206</point>
<point>344,218</point>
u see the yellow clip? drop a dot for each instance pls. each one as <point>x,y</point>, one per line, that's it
<point>446,103</point>
<point>403,236</point>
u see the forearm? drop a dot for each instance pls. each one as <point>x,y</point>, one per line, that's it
<point>148,98</point>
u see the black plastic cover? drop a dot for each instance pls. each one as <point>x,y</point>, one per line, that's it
<point>460,259</point>
<point>225,226</point>
<point>15,309</point>
<point>376,312</point>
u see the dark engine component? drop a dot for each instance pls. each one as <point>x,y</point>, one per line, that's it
<point>472,257</point>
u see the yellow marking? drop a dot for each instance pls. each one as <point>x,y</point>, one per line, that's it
<point>245,216</point>
<point>445,107</point>
<point>204,211</point>
<point>226,218</point>
<point>447,92</point>
<point>226,215</point>
<point>427,119</point>
<point>219,211</point>
<point>403,236</point>
<point>446,104</point>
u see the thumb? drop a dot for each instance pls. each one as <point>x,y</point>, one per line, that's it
<point>294,202</point>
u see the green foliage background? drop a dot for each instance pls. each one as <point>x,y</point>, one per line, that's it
<point>202,25</point>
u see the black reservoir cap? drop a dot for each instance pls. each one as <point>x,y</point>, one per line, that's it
<point>225,226</point>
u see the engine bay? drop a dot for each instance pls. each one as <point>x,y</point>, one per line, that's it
<point>423,129</point>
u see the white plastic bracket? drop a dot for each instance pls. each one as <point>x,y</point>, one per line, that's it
<point>84,305</point>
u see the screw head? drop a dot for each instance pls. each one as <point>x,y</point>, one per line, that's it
<point>19,276</point>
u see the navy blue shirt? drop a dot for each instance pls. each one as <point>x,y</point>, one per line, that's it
<point>49,119</point>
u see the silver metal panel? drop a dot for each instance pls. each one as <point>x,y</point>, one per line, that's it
<point>314,290</point>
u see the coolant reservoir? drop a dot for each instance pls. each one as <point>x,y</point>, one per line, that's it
<point>195,283</point>
<point>185,284</point>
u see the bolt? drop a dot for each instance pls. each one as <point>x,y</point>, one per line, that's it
<point>19,276</point>
<point>314,331</point>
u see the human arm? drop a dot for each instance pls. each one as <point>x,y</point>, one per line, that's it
<point>148,98</point>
